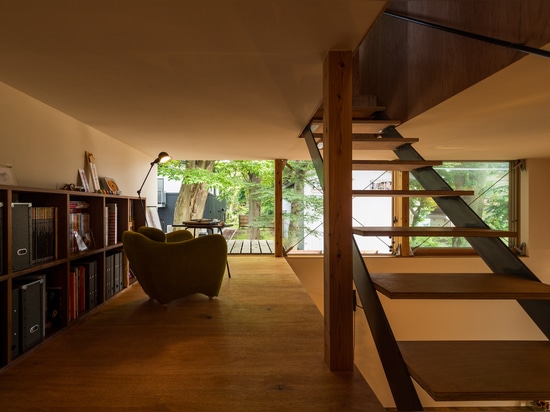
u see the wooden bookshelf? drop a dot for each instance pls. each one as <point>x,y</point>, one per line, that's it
<point>94,265</point>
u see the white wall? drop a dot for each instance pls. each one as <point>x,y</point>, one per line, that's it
<point>459,320</point>
<point>46,148</point>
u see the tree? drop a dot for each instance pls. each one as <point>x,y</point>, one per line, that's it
<point>252,190</point>
<point>194,175</point>
<point>304,209</point>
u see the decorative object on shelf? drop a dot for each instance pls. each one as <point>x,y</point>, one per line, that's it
<point>109,186</point>
<point>163,157</point>
<point>540,405</point>
<point>7,175</point>
<point>93,170</point>
<point>84,180</point>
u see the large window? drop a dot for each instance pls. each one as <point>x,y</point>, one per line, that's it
<point>494,199</point>
<point>494,184</point>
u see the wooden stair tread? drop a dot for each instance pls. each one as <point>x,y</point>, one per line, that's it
<point>357,112</point>
<point>392,164</point>
<point>431,231</point>
<point>480,370</point>
<point>358,126</point>
<point>367,142</point>
<point>458,286</point>
<point>412,193</point>
<point>360,142</point>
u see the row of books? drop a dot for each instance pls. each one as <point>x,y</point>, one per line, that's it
<point>83,288</point>
<point>34,235</point>
<point>114,274</point>
<point>80,233</point>
<point>111,217</point>
<point>44,234</point>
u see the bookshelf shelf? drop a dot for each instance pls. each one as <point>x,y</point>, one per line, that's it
<point>67,244</point>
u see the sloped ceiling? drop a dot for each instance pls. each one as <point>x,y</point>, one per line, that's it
<point>237,79</point>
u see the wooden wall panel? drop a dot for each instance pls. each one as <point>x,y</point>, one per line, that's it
<point>411,68</point>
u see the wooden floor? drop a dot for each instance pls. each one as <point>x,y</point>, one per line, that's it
<point>247,247</point>
<point>257,347</point>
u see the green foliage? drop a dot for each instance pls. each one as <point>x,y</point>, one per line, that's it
<point>235,181</point>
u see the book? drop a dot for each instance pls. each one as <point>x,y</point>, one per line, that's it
<point>44,234</point>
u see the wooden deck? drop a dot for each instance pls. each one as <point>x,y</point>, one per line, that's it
<point>259,346</point>
<point>250,247</point>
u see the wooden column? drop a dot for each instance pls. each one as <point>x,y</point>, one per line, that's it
<point>338,265</point>
<point>279,166</point>
<point>401,210</point>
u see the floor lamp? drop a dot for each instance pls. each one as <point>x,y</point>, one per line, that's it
<point>163,157</point>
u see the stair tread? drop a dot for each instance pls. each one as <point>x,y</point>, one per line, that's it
<point>458,286</point>
<point>431,231</point>
<point>412,193</point>
<point>392,164</point>
<point>480,370</point>
<point>368,142</point>
<point>358,126</point>
<point>357,112</point>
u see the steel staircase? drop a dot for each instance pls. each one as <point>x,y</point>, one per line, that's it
<point>446,370</point>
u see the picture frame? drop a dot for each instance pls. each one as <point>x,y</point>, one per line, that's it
<point>84,180</point>
<point>93,170</point>
<point>7,175</point>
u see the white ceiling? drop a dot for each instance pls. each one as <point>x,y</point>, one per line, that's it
<point>237,79</point>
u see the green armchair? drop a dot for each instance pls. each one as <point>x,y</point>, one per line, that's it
<point>174,265</point>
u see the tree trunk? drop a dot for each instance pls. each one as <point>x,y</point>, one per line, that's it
<point>255,205</point>
<point>295,226</point>
<point>191,199</point>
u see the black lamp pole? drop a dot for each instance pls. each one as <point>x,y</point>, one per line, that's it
<point>163,157</point>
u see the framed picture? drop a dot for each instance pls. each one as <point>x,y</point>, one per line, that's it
<point>84,180</point>
<point>7,175</point>
<point>93,170</point>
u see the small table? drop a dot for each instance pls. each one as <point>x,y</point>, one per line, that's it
<point>209,226</point>
<point>197,224</point>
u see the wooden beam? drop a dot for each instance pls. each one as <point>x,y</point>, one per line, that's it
<point>279,166</point>
<point>338,265</point>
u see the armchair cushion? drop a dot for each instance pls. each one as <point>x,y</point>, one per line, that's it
<point>170,270</point>
<point>156,234</point>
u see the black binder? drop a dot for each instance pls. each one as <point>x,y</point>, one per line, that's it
<point>31,311</point>
<point>15,319</point>
<point>21,236</point>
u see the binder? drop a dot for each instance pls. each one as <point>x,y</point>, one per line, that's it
<point>21,236</point>
<point>15,319</point>
<point>31,311</point>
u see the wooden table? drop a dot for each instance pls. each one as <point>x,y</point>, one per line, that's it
<point>196,224</point>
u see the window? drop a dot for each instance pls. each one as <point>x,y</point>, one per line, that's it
<point>494,200</point>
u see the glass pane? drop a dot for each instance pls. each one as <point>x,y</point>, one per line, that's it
<point>491,186</point>
<point>372,211</point>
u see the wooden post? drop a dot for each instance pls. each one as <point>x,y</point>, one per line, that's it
<point>401,210</point>
<point>279,166</point>
<point>338,265</point>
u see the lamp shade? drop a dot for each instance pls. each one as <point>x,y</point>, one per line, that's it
<point>163,157</point>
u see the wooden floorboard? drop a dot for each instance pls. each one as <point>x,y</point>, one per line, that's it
<point>250,246</point>
<point>257,347</point>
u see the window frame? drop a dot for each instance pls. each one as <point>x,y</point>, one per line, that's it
<point>401,215</point>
